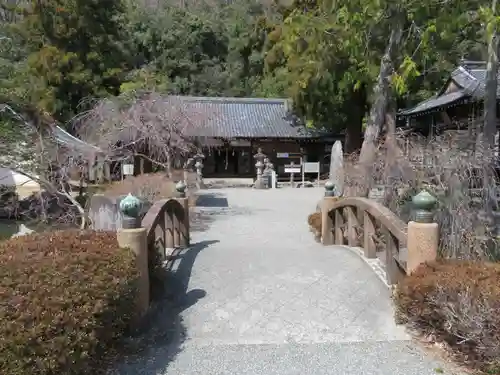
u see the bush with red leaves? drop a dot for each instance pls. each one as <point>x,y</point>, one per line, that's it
<point>314,221</point>
<point>459,303</point>
<point>66,299</point>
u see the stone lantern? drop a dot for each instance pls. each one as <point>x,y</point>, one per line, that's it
<point>180,187</point>
<point>267,173</point>
<point>187,166</point>
<point>259,165</point>
<point>198,165</point>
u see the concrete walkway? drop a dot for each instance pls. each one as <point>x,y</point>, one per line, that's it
<point>256,295</point>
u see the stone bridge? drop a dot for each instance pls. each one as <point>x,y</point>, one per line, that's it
<point>255,294</point>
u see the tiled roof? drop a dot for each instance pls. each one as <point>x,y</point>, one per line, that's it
<point>480,76</point>
<point>232,118</point>
<point>434,102</point>
<point>463,78</point>
<point>64,138</point>
<point>470,77</point>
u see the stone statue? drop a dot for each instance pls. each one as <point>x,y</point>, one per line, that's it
<point>337,168</point>
<point>267,173</point>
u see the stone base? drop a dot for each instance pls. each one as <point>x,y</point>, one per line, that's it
<point>423,241</point>
<point>259,184</point>
<point>136,241</point>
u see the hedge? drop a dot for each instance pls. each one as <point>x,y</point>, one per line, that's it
<point>459,303</point>
<point>66,299</point>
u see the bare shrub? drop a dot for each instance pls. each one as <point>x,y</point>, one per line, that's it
<point>150,187</point>
<point>461,177</point>
<point>30,148</point>
<point>457,302</point>
<point>160,128</point>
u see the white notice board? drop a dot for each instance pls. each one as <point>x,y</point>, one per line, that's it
<point>128,169</point>
<point>311,167</point>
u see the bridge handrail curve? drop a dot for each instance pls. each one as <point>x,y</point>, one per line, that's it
<point>171,215</point>
<point>357,220</point>
<point>379,212</point>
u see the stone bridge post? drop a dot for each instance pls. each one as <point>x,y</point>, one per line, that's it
<point>405,245</point>
<point>184,201</point>
<point>423,233</point>
<point>132,236</point>
<point>327,236</point>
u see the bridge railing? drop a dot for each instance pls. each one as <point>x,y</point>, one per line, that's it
<point>365,223</point>
<point>164,226</point>
<point>167,224</point>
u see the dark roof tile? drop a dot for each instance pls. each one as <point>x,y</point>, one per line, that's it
<point>64,138</point>
<point>245,118</point>
<point>470,76</point>
<point>434,102</point>
<point>465,80</point>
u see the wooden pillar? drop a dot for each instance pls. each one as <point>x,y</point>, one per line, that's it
<point>107,172</point>
<point>369,246</point>
<point>250,159</point>
<point>141,165</point>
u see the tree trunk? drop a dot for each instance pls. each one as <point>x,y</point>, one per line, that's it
<point>42,162</point>
<point>354,129</point>
<point>353,136</point>
<point>490,122</point>
<point>382,95</point>
<point>490,100</point>
<point>49,187</point>
<point>169,163</point>
<point>392,155</point>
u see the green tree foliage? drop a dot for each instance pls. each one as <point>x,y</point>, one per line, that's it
<point>320,51</point>
<point>324,54</point>
<point>13,54</point>
<point>331,50</point>
<point>200,51</point>
<point>76,51</point>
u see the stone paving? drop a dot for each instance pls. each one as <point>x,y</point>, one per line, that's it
<point>256,295</point>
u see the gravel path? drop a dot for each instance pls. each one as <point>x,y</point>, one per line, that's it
<point>256,295</point>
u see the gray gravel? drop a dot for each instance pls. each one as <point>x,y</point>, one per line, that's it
<point>256,295</point>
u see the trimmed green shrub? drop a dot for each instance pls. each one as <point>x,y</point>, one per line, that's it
<point>67,297</point>
<point>459,303</point>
